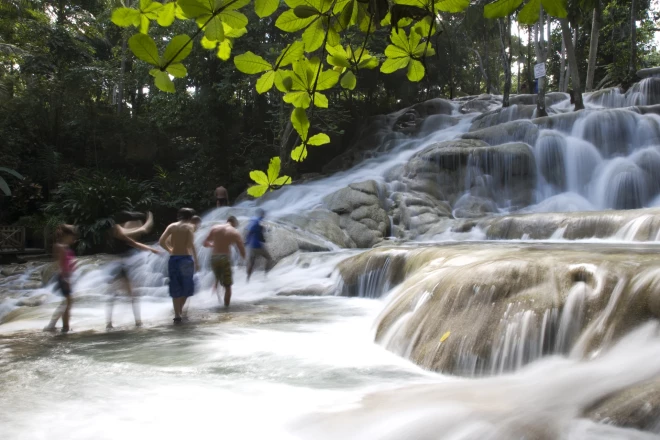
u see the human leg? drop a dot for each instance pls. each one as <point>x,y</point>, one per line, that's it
<point>227,295</point>
<point>250,264</point>
<point>66,314</point>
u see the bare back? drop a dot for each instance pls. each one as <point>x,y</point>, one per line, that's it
<point>182,238</point>
<point>223,237</point>
<point>221,193</point>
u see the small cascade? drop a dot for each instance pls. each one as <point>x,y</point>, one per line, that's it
<point>621,184</point>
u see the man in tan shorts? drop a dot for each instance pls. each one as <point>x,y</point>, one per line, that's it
<point>221,238</point>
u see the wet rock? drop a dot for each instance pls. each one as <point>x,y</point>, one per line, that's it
<point>282,241</point>
<point>470,206</point>
<point>32,301</point>
<point>502,115</point>
<point>323,223</point>
<point>550,151</point>
<point>515,131</point>
<point>313,290</point>
<point>480,104</point>
<point>371,273</point>
<point>637,407</point>
<point>649,72</point>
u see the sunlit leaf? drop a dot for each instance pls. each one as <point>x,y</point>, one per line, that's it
<point>283,80</point>
<point>299,153</point>
<point>124,17</point>
<point>415,71</point>
<point>422,4</point>
<point>235,19</point>
<point>327,79</point>
<point>282,180</point>
<point>319,139</point>
<point>224,49</point>
<point>348,81</point>
<point>265,8</point>
<point>501,8</point>
<point>298,99</point>
<point>208,44</point>
<point>451,5</point>
<point>195,8</point>
<point>144,24</point>
<point>257,190</point>
<point>177,49</point>
<point>230,5</point>
<point>556,8</point>
<point>393,64</point>
<point>313,36</point>
<point>291,54</point>
<point>259,177</point>
<point>288,22</point>
<point>166,14</point>
<point>177,70</point>
<point>305,11</point>
<point>320,100</point>
<point>144,48</point>
<point>265,81</point>
<point>214,29</point>
<point>300,122</point>
<point>164,83</point>
<point>251,63</point>
<point>529,14</point>
<point>273,169</point>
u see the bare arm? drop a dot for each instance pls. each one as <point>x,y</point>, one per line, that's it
<point>209,240</point>
<point>238,241</point>
<point>163,239</point>
<point>191,240</point>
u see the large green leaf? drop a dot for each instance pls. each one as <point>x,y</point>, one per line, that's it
<point>273,169</point>
<point>124,17</point>
<point>556,8</point>
<point>177,49</point>
<point>305,11</point>
<point>144,24</point>
<point>224,49</point>
<point>348,81</point>
<point>452,6</point>
<point>314,35</point>
<point>195,8</point>
<point>298,99</point>
<point>327,79</point>
<point>150,9</point>
<point>283,80</point>
<point>251,63</point>
<point>501,8</point>
<point>177,70</point>
<point>320,100</point>
<point>164,83</point>
<point>265,8</point>
<point>299,153</point>
<point>230,5</point>
<point>235,19</point>
<point>393,64</point>
<point>265,82</point>
<point>214,29</point>
<point>529,14</point>
<point>291,54</point>
<point>257,190</point>
<point>415,71</point>
<point>288,22</point>
<point>144,48</point>
<point>167,14</point>
<point>300,122</point>
<point>319,139</point>
<point>259,177</point>
<point>282,180</point>
<point>423,4</point>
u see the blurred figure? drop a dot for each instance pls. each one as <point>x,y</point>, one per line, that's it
<point>221,197</point>
<point>183,259</point>
<point>65,258</point>
<point>128,227</point>
<point>256,243</point>
<point>221,238</point>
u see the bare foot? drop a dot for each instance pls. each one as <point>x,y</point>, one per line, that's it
<point>109,326</point>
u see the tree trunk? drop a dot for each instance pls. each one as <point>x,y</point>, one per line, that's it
<point>530,78</point>
<point>633,40</point>
<point>506,62</point>
<point>541,54</point>
<point>481,68</point>
<point>572,64</point>
<point>120,92</point>
<point>593,47</point>
<point>518,61</point>
<point>562,66</point>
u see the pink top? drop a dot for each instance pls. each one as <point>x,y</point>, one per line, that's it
<point>66,265</point>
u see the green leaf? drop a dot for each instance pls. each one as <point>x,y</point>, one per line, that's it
<point>422,4</point>
<point>167,14</point>
<point>299,99</point>
<point>283,80</point>
<point>348,81</point>
<point>282,180</point>
<point>391,65</point>
<point>300,122</point>
<point>257,190</point>
<point>529,14</point>
<point>452,6</point>
<point>501,8</point>
<point>235,19</point>
<point>299,153</point>
<point>305,11</point>
<point>259,177</point>
<point>230,5</point>
<point>151,11</point>
<point>265,8</point>
<point>424,26</point>
<point>144,24</point>
<point>230,32</point>
<point>195,8</point>
<point>320,100</point>
<point>273,169</point>
<point>313,36</point>
<point>423,50</point>
<point>400,39</point>
<point>319,139</point>
<point>214,29</point>
<point>164,83</point>
<point>333,36</point>
<point>144,48</point>
<point>395,52</point>
<point>208,44</point>
<point>144,4</point>
<point>368,62</point>
<point>177,49</point>
<point>291,54</point>
<point>415,71</point>
<point>224,49</point>
<point>124,17</point>
<point>327,79</point>
<point>556,8</point>
<point>154,72</point>
<point>12,172</point>
<point>288,22</point>
<point>177,70</point>
<point>251,63</point>
<point>265,82</point>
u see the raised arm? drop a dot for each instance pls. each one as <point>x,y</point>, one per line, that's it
<point>119,234</point>
<point>163,239</point>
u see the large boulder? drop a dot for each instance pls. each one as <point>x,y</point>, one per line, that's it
<point>514,131</point>
<point>323,223</point>
<point>360,207</point>
<point>501,115</point>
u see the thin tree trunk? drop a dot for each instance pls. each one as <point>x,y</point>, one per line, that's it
<point>572,65</point>
<point>120,92</point>
<point>562,66</point>
<point>488,78</point>
<point>541,54</point>
<point>481,68</point>
<point>530,78</point>
<point>518,61</point>
<point>633,40</point>
<point>506,62</point>
<point>593,47</point>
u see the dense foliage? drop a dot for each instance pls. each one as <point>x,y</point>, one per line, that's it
<point>75,102</point>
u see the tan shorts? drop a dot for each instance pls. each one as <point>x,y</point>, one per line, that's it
<point>221,265</point>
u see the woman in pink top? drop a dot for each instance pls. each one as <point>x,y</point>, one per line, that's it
<point>65,258</point>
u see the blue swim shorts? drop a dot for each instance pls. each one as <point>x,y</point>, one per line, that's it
<point>181,269</point>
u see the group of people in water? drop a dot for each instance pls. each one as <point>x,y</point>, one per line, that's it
<point>178,241</point>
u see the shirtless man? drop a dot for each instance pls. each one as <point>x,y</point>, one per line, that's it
<point>221,238</point>
<point>221,197</point>
<point>183,259</point>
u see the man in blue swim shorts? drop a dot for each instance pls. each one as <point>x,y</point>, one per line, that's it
<point>183,259</point>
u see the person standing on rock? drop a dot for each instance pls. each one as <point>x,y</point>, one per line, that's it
<point>183,259</point>
<point>66,263</point>
<point>221,238</point>
<point>256,243</point>
<point>221,197</point>
<point>128,227</point>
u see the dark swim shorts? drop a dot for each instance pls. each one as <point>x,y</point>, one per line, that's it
<point>64,285</point>
<point>221,265</point>
<point>181,270</point>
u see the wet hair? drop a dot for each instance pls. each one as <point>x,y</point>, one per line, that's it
<point>232,221</point>
<point>127,216</point>
<point>196,219</point>
<point>261,213</point>
<point>186,214</point>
